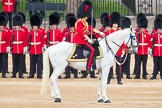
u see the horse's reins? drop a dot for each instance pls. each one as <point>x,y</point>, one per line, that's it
<point>108,47</point>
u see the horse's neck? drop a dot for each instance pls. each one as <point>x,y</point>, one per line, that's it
<point>115,40</point>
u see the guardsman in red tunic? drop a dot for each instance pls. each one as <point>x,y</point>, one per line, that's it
<point>4,44</point>
<point>69,37</point>
<point>125,67</point>
<point>8,31</point>
<point>67,29</point>
<point>35,46</point>
<point>8,6</point>
<point>114,23</point>
<point>54,34</point>
<point>18,44</point>
<point>104,18</point>
<point>82,30</point>
<point>157,47</point>
<point>140,15</point>
<point>26,35</point>
<point>144,45</point>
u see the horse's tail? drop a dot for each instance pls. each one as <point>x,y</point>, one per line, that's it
<point>46,69</point>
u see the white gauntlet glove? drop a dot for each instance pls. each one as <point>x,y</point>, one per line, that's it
<point>150,51</point>
<point>8,49</point>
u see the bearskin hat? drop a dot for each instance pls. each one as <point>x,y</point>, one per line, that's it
<point>140,15</point>
<point>71,21</point>
<point>40,16</point>
<point>2,20</point>
<point>84,9</point>
<point>54,18</point>
<point>91,21</point>
<point>68,15</point>
<point>114,18</point>
<point>102,16</point>
<point>17,20</point>
<point>143,22</point>
<point>125,22</point>
<point>6,17</point>
<point>158,23</point>
<point>23,15</point>
<point>159,16</point>
<point>106,21</point>
<point>35,20</point>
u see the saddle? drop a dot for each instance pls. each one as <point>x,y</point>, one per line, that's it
<point>80,54</point>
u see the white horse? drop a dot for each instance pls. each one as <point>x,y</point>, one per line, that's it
<point>59,53</point>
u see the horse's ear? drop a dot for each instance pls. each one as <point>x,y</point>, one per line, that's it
<point>131,27</point>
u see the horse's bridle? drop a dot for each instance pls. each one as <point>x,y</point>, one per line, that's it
<point>131,46</point>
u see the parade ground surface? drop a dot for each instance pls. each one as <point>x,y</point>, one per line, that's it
<point>81,93</point>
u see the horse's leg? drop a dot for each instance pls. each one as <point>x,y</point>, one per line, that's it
<point>55,92</point>
<point>105,73</point>
<point>99,90</point>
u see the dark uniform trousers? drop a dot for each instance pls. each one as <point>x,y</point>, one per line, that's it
<point>70,70</point>
<point>135,64</point>
<point>17,60</point>
<point>3,63</point>
<point>157,61</point>
<point>126,66</point>
<point>141,59</point>
<point>110,76</point>
<point>36,63</point>
<point>118,69</point>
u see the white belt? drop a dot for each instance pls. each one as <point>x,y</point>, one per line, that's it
<point>143,44</point>
<point>35,43</point>
<point>8,3</point>
<point>2,42</point>
<point>157,44</point>
<point>17,42</point>
<point>54,42</point>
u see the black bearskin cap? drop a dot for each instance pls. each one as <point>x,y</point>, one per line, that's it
<point>102,16</point>
<point>23,16</point>
<point>142,22</point>
<point>125,23</point>
<point>5,15</point>
<point>68,15</point>
<point>84,9</point>
<point>17,20</point>
<point>91,21</point>
<point>71,21</point>
<point>40,16</point>
<point>2,20</point>
<point>159,16</point>
<point>106,21</point>
<point>114,18</point>
<point>140,15</point>
<point>35,20</point>
<point>158,23</point>
<point>54,18</point>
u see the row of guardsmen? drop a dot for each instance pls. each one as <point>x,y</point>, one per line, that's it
<point>21,40</point>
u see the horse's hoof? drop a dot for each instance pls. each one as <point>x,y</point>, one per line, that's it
<point>100,101</point>
<point>107,101</point>
<point>57,100</point>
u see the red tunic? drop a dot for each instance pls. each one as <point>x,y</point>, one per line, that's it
<point>17,38</point>
<point>144,41</point>
<point>8,5</point>
<point>81,28</point>
<point>69,37</point>
<point>55,36</point>
<point>4,40</point>
<point>26,34</point>
<point>157,43</point>
<point>37,41</point>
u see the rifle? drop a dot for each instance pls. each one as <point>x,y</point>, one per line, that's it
<point>29,42</point>
<point>11,42</point>
<point>48,39</point>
